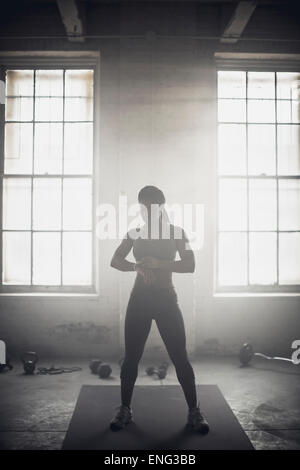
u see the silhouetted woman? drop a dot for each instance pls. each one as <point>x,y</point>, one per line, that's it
<point>153,297</point>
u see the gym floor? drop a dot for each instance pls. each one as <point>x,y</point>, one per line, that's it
<point>35,410</point>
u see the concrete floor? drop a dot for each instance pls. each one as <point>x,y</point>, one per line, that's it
<point>35,410</point>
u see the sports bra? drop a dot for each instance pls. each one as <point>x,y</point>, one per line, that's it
<point>163,248</point>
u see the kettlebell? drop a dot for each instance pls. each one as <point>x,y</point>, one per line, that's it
<point>94,364</point>
<point>29,359</point>
<point>104,371</point>
<point>246,354</point>
<point>150,370</point>
<point>160,371</point>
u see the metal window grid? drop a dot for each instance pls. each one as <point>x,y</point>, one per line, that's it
<point>60,288</point>
<point>276,287</point>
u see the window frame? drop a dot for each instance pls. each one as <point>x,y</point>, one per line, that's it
<point>52,60</point>
<point>246,63</point>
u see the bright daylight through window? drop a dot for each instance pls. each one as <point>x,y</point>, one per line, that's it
<point>48,178</point>
<point>258,179</point>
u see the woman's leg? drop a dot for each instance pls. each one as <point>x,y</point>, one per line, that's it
<point>136,329</point>
<point>170,324</point>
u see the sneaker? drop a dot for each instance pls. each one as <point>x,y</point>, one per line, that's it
<point>122,417</point>
<point>197,421</point>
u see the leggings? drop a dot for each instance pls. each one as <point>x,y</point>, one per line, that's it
<point>160,304</point>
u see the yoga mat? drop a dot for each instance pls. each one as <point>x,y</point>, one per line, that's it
<point>159,414</point>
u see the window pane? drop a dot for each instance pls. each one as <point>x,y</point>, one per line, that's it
<point>77,204</point>
<point>19,109</point>
<point>271,148</point>
<point>46,258</point>
<point>262,258</point>
<point>232,110</point>
<point>48,109</point>
<point>48,140</point>
<point>295,111</point>
<point>231,84</point>
<point>288,111</point>
<point>288,150</point>
<point>261,149</point>
<point>262,205</point>
<point>17,203</point>
<point>19,83</point>
<point>261,85</point>
<point>261,111</point>
<point>78,109</point>
<point>47,203</point>
<point>289,204</point>
<point>58,148</point>
<point>18,148</point>
<point>232,149</point>
<point>16,257</point>
<point>232,204</point>
<point>289,258</point>
<point>77,256</point>
<point>78,157</point>
<point>79,83</point>
<point>288,85</point>
<point>49,83</point>
<point>232,259</point>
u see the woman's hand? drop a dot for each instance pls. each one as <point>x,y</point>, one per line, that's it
<point>149,262</point>
<point>148,274</point>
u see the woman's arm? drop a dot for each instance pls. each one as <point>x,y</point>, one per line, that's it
<point>186,264</point>
<point>118,260</point>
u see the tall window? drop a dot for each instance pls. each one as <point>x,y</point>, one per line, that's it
<point>47,181</point>
<point>258,180</point>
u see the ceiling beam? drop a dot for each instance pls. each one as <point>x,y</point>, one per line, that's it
<point>238,21</point>
<point>71,19</point>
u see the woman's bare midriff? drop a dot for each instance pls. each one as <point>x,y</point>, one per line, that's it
<point>162,279</point>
